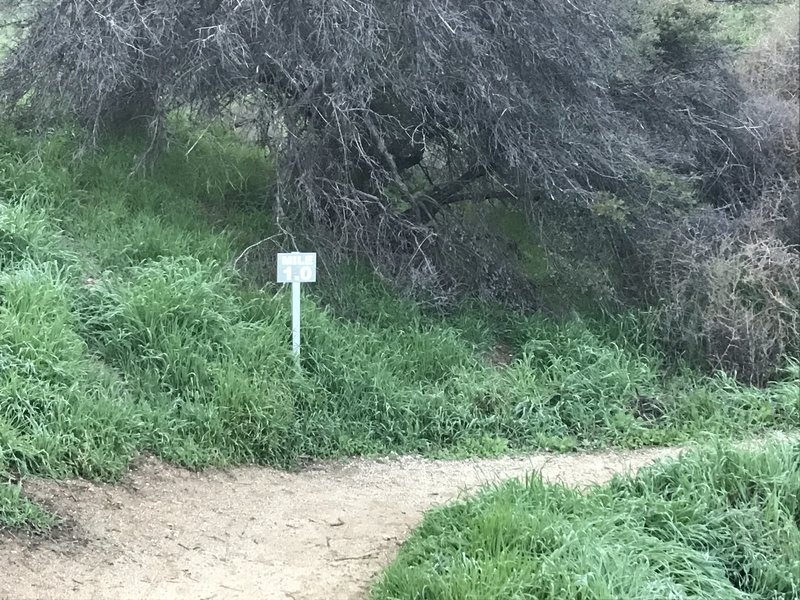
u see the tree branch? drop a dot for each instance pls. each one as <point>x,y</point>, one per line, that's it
<point>429,203</point>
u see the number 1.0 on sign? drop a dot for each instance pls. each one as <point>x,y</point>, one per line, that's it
<point>297,267</point>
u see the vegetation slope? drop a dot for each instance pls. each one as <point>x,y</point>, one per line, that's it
<point>125,329</point>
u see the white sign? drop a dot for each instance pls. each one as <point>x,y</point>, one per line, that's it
<point>297,267</point>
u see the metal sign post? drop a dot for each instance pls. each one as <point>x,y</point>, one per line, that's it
<point>296,318</point>
<point>297,268</point>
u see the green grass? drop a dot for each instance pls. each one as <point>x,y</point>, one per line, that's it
<point>16,511</point>
<point>721,524</point>
<point>125,329</point>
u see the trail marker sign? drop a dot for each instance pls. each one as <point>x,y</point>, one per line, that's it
<point>296,268</point>
<point>300,267</point>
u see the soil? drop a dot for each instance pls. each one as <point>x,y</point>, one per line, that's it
<point>322,533</point>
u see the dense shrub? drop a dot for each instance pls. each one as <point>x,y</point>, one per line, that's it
<point>728,280</point>
<point>769,71</point>
<point>732,289</point>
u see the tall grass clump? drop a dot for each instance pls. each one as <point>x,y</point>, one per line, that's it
<point>419,385</point>
<point>218,383</point>
<point>721,524</point>
<point>63,412</point>
<point>17,511</point>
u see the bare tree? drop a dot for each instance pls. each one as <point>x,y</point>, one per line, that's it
<point>391,115</point>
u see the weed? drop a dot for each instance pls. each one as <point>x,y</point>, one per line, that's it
<point>17,511</point>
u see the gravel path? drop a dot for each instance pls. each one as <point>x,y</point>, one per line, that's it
<point>322,533</point>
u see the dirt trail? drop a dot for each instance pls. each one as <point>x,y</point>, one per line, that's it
<point>322,533</point>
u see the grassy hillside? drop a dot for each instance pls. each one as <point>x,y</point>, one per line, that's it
<point>716,525</point>
<point>124,329</point>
